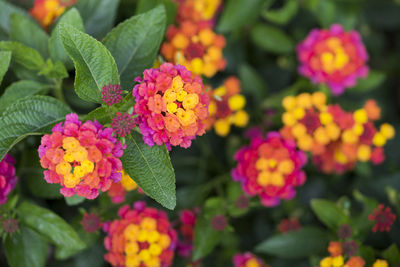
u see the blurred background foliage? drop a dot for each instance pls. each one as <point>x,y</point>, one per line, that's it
<point>261,40</point>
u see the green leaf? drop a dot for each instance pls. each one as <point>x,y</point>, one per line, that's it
<point>372,81</point>
<point>74,200</point>
<point>23,55</point>
<point>33,115</point>
<point>53,227</point>
<point>392,255</point>
<point>252,83</point>
<point>151,169</point>
<point>238,13</point>
<point>101,114</point>
<point>135,43</point>
<point>95,67</point>
<point>170,7</point>
<point>25,248</point>
<point>297,244</point>
<point>271,39</point>
<point>57,51</point>
<point>283,15</point>
<point>20,90</point>
<point>25,31</point>
<point>54,70</point>
<point>5,58</point>
<point>6,9</point>
<point>329,213</point>
<point>361,224</point>
<point>205,238</point>
<point>98,15</point>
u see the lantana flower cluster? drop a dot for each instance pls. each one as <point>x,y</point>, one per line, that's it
<point>270,167</point>
<point>196,46</point>
<point>197,10</point>
<point>118,190</point>
<point>8,179</point>
<point>227,107</point>
<point>47,11</point>
<point>141,237</point>
<point>247,260</point>
<point>171,105</point>
<point>337,258</point>
<point>337,139</point>
<point>333,57</point>
<point>383,217</point>
<point>82,157</point>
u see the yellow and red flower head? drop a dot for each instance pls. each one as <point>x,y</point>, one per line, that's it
<point>197,10</point>
<point>333,57</point>
<point>248,259</point>
<point>271,168</point>
<point>227,107</point>
<point>337,259</point>
<point>171,105</point>
<point>47,11</point>
<point>380,263</point>
<point>118,190</point>
<point>196,46</point>
<point>337,139</point>
<point>141,237</point>
<point>82,157</point>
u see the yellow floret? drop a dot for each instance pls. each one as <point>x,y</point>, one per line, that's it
<point>241,118</point>
<point>380,263</point>
<point>206,36</point>
<point>364,153</point>
<point>63,168</point>
<point>272,163</point>
<point>358,129</point>
<point>277,179</point>
<point>387,131</point>
<point>131,248</point>
<point>131,232</point>
<point>212,108</point>
<point>349,137</point>
<point>333,131</point>
<point>164,241</point>
<point>169,95</point>
<point>321,136</point>
<point>127,182</point>
<point>220,91</point>
<point>172,107</point>
<point>190,101</point>
<point>305,143</point>
<point>262,164</point>
<point>286,166</point>
<point>236,102</point>
<point>340,157</point>
<point>132,261</point>
<point>186,117</point>
<point>360,116</point>
<point>144,255</point>
<point>318,99</point>
<point>325,118</point>
<point>299,130</point>
<point>153,262</point>
<point>338,261</point>
<point>180,95</point>
<point>155,249</point>
<point>148,224</point>
<point>288,119</point>
<point>68,157</point>
<point>79,172</point>
<point>289,103</point>
<point>197,65</point>
<point>379,139</point>
<point>264,178</point>
<point>252,263</point>
<point>80,154</point>
<point>326,262</point>
<point>304,100</point>
<point>299,113</point>
<point>70,180</point>
<point>180,41</point>
<point>154,236</point>
<point>222,127</point>
<point>143,235</point>
<point>87,166</point>
<point>177,83</point>
<point>70,143</point>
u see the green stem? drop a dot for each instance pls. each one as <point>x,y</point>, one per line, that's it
<point>58,92</point>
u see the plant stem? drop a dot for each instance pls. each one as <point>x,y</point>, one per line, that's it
<point>58,92</point>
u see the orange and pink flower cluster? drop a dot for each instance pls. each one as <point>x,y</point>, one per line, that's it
<point>171,105</point>
<point>197,10</point>
<point>117,191</point>
<point>337,258</point>
<point>196,46</point>
<point>141,237</point>
<point>248,260</point>
<point>226,107</point>
<point>47,11</point>
<point>333,57</point>
<point>337,139</point>
<point>270,167</point>
<point>82,157</point>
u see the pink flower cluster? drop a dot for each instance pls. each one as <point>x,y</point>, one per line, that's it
<point>271,168</point>
<point>333,57</point>
<point>187,222</point>
<point>171,106</point>
<point>8,180</point>
<point>82,157</point>
<point>247,260</point>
